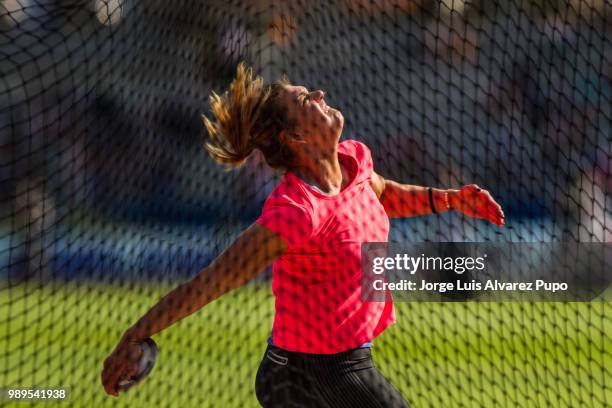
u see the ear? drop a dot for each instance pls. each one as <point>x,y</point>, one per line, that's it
<point>290,138</point>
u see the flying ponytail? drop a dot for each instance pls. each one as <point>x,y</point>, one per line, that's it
<point>247,116</point>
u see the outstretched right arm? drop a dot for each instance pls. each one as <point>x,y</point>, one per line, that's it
<point>256,248</point>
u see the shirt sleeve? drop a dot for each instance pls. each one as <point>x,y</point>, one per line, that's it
<point>362,154</point>
<point>292,221</point>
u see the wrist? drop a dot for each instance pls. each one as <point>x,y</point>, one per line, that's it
<point>439,200</point>
<point>453,199</point>
<point>132,335</point>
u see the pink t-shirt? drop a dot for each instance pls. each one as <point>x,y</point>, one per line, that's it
<point>317,281</point>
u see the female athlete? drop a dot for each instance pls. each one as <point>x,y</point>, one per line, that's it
<point>311,228</point>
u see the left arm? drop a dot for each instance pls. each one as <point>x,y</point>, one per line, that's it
<point>404,200</point>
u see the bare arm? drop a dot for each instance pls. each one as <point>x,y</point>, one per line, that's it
<point>404,200</point>
<point>247,256</point>
<point>244,259</point>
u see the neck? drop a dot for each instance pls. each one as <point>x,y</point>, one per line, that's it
<point>324,172</point>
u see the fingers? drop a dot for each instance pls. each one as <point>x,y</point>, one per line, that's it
<point>122,362</point>
<point>113,370</point>
<point>494,212</point>
<point>114,375</point>
<point>479,203</point>
<point>110,378</point>
<point>496,217</point>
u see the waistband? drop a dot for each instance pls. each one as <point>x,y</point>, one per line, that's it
<point>367,344</point>
<point>282,356</point>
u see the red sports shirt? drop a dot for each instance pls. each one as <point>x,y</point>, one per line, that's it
<point>317,281</point>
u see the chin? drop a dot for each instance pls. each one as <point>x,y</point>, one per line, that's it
<point>337,118</point>
<point>340,124</point>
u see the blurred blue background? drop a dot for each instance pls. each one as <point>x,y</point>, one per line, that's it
<point>103,174</point>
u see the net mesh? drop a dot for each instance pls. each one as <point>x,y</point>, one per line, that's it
<point>108,199</point>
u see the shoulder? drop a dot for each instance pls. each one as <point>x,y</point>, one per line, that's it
<point>354,147</point>
<point>288,195</point>
<point>361,152</point>
<point>288,213</point>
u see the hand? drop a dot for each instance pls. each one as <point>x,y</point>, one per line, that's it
<point>122,363</point>
<point>475,202</point>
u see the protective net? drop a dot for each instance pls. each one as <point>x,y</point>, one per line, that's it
<point>108,199</point>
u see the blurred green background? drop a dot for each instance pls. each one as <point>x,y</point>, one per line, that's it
<point>438,354</point>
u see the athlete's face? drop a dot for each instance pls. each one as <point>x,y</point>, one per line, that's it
<point>317,126</point>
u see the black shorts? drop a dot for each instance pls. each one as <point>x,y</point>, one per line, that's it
<point>348,379</point>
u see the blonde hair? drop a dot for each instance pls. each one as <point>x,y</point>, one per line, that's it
<point>248,116</point>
